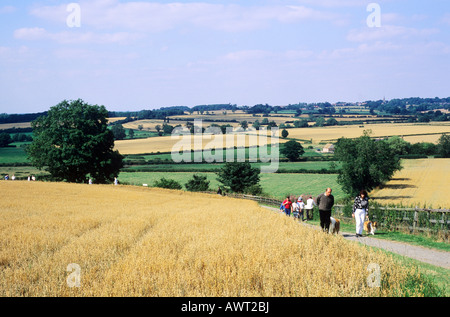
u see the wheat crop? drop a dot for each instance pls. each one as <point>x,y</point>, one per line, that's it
<point>194,142</point>
<point>134,241</point>
<point>422,183</point>
<point>416,132</point>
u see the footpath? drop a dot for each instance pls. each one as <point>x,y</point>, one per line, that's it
<point>434,257</point>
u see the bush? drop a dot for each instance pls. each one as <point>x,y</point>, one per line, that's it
<point>167,183</point>
<point>198,183</point>
<point>254,190</point>
<point>5,139</point>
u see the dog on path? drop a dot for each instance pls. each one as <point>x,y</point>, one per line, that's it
<point>370,227</point>
<point>335,225</point>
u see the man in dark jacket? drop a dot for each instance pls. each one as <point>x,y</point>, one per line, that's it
<point>325,201</point>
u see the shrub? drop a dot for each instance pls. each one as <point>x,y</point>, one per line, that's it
<point>255,190</point>
<point>198,183</point>
<point>167,183</point>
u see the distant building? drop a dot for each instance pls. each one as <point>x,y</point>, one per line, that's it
<point>329,148</point>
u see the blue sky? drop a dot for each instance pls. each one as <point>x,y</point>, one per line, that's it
<point>134,55</point>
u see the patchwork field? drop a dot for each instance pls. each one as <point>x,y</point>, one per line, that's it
<point>59,239</point>
<point>422,183</point>
<point>411,132</point>
<point>417,132</point>
<point>169,143</point>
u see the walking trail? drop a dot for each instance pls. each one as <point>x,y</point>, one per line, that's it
<point>434,257</point>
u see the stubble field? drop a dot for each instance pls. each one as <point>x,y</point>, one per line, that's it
<point>134,241</point>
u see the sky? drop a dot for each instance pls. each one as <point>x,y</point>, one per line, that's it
<point>135,55</point>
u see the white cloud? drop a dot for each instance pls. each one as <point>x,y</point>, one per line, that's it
<point>335,3</point>
<point>30,33</point>
<point>388,32</point>
<point>446,19</point>
<point>69,37</point>
<point>247,55</point>
<point>7,9</point>
<point>156,17</point>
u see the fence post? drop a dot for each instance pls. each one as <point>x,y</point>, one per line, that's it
<point>416,218</point>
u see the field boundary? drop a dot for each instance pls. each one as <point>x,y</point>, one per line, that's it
<point>401,220</point>
<point>423,254</point>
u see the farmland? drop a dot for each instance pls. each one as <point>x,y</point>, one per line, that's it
<point>135,241</point>
<point>422,183</point>
<point>413,133</point>
<point>274,185</point>
<point>205,141</point>
<point>417,132</point>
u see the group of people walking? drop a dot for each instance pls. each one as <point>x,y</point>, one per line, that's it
<point>13,177</point>
<point>298,208</point>
<point>325,203</point>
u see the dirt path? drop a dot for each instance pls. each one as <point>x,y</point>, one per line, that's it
<point>434,257</point>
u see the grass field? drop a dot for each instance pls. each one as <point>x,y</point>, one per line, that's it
<point>283,166</point>
<point>134,241</point>
<point>12,155</point>
<point>422,183</point>
<point>274,185</point>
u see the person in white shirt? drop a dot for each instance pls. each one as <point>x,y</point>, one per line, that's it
<point>301,206</point>
<point>309,208</point>
<point>295,210</point>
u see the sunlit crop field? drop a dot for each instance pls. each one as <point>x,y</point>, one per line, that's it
<point>205,141</point>
<point>417,132</point>
<point>134,241</point>
<point>422,183</point>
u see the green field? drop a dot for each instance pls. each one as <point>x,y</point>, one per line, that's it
<point>168,156</point>
<point>11,155</point>
<point>274,185</point>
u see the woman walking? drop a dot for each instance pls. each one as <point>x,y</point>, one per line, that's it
<point>360,208</point>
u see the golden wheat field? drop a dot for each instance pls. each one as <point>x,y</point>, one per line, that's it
<point>422,183</point>
<point>408,130</point>
<point>181,143</point>
<point>135,241</point>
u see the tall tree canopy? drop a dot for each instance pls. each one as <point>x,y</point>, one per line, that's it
<point>73,143</point>
<point>366,163</point>
<point>443,146</point>
<point>238,176</point>
<point>292,150</point>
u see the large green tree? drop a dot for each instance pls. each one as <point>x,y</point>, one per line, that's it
<point>292,150</point>
<point>5,139</point>
<point>366,163</point>
<point>238,176</point>
<point>72,142</point>
<point>443,146</point>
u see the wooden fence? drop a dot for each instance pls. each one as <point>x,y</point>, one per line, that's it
<point>406,218</point>
<point>389,217</point>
